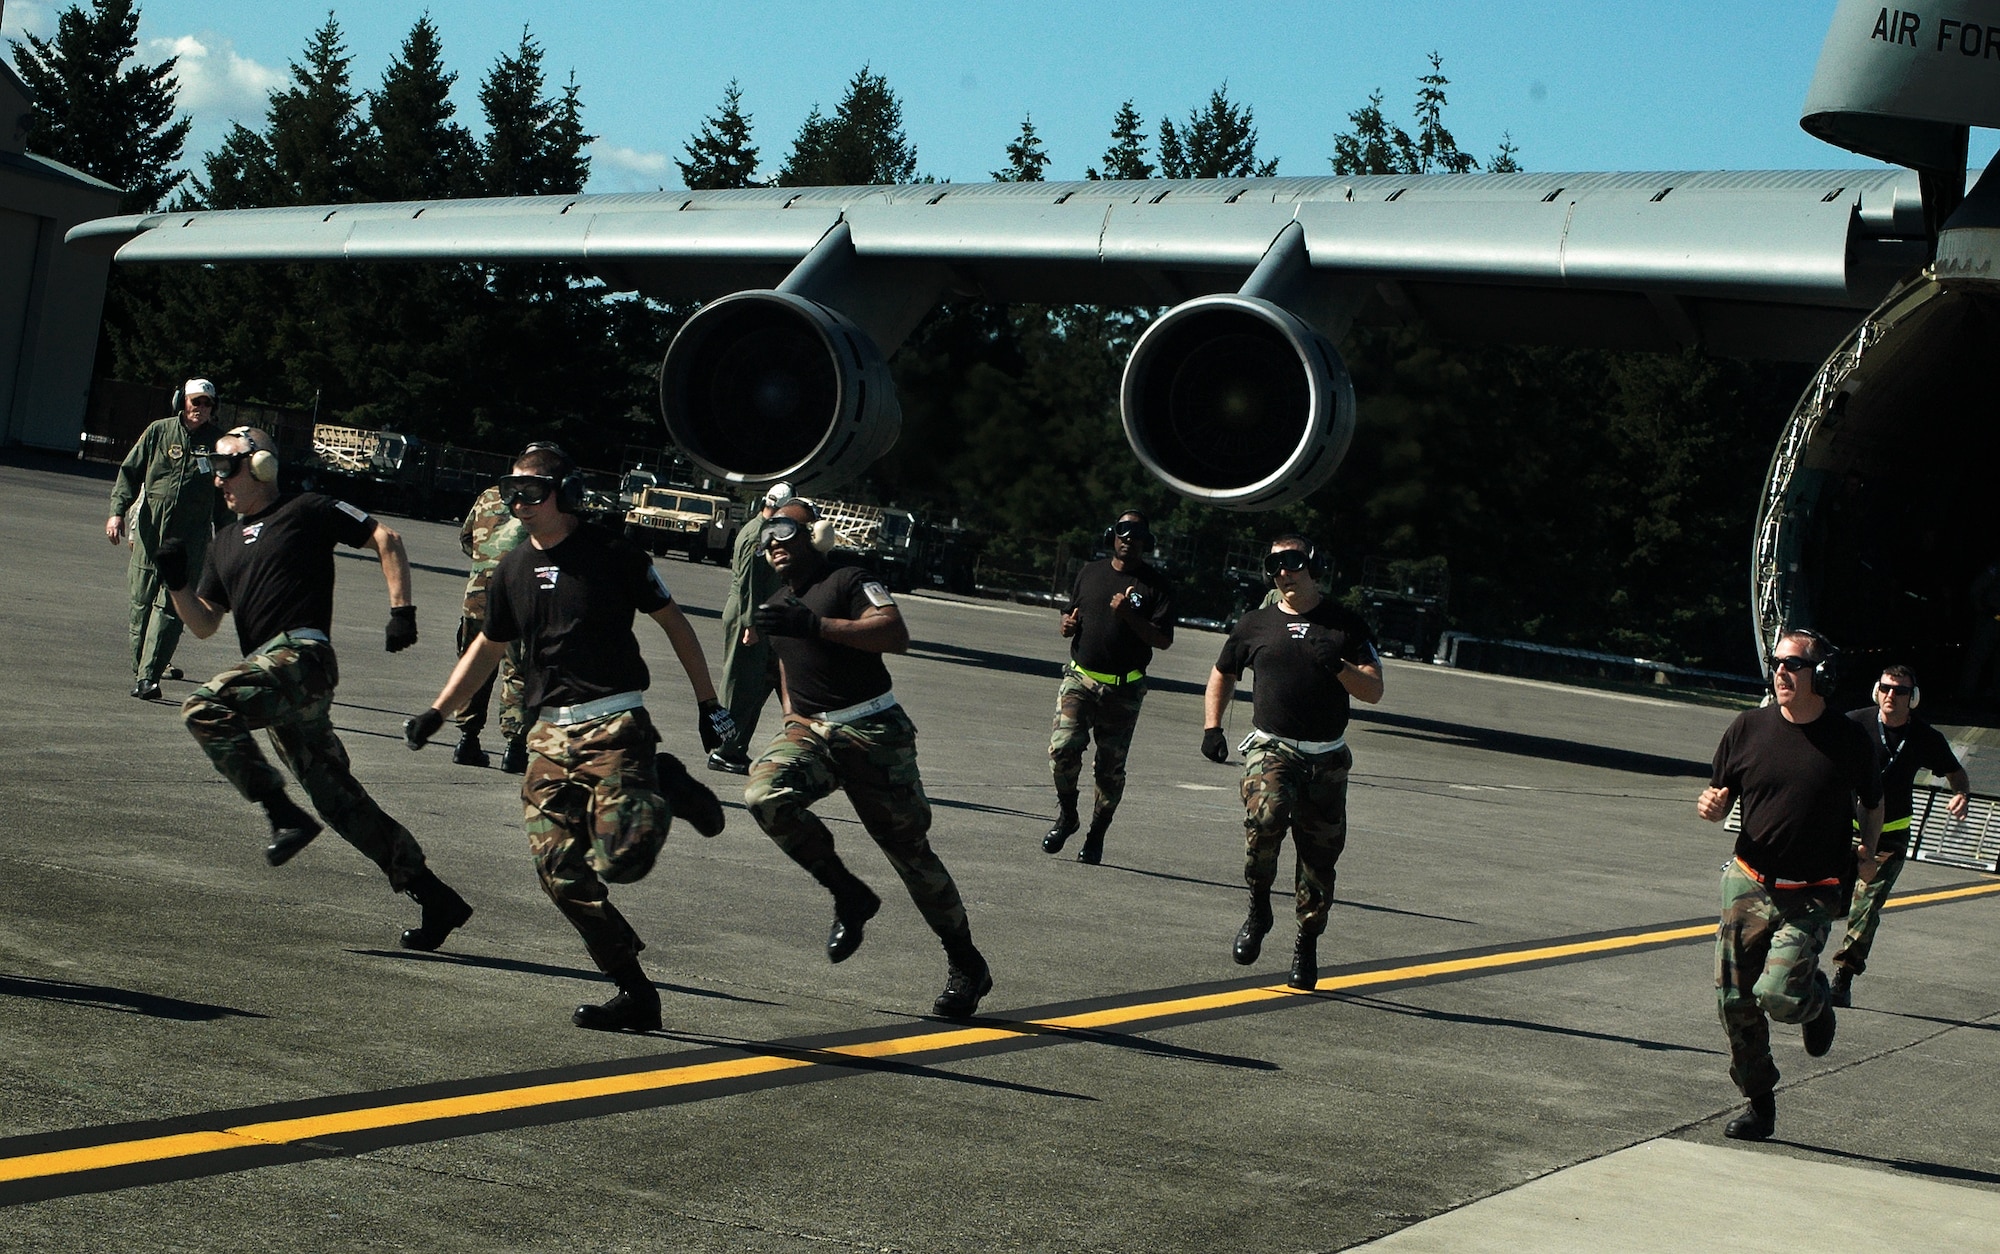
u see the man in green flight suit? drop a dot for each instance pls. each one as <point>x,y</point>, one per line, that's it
<point>176,499</point>
<point>749,667</point>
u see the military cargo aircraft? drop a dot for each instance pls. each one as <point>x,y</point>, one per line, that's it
<point>1236,395</point>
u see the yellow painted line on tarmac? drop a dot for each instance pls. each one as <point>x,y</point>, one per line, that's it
<point>368,1118</point>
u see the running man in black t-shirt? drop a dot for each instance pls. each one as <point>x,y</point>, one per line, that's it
<point>273,569</point>
<point>1310,655</point>
<point>1120,610</point>
<point>1798,768</point>
<point>597,796</point>
<point>1906,745</point>
<point>830,626</point>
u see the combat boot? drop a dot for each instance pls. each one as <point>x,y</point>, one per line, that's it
<point>468,752</point>
<point>292,829</point>
<point>1250,938</point>
<point>730,763</point>
<point>1843,987</point>
<point>1818,1032</point>
<point>967,979</point>
<point>854,903</point>
<point>1757,1121</point>
<point>1066,823</point>
<point>515,760</point>
<point>1305,963</point>
<point>634,1008</point>
<point>688,797</point>
<point>1092,852</point>
<point>444,911</point>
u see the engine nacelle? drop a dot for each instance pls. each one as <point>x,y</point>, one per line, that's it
<point>1234,401</point>
<point>762,386</point>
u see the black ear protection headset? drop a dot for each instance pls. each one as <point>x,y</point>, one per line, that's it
<point>1825,658</point>
<point>1318,564</point>
<point>569,480</point>
<point>263,462</point>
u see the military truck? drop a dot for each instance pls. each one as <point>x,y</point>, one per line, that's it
<point>685,520</point>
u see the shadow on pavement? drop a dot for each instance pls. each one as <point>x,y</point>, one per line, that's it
<point>1547,748</point>
<point>1936,1170</point>
<point>541,968</point>
<point>852,1062</point>
<point>1488,1021</point>
<point>123,1001</point>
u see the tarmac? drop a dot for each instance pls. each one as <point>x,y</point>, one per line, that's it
<point>1514,1043</point>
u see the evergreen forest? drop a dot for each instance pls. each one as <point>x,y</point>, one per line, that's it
<point>1579,498</point>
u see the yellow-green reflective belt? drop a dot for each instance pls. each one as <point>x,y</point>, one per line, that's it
<point>1103,678</point>
<point>1893,825</point>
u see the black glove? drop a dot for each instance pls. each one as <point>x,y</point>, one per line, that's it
<point>402,630</point>
<point>419,728</point>
<point>791,618</point>
<point>171,560</point>
<point>715,725</point>
<point>1214,745</point>
<point>1326,653</point>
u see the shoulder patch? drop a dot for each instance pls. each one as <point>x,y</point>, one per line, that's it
<point>878,596</point>
<point>358,515</point>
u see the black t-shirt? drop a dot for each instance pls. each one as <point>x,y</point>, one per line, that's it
<point>1915,746</point>
<point>274,570</point>
<point>1103,642</point>
<point>821,675</point>
<point>1296,695</point>
<point>1797,783</point>
<point>571,606</point>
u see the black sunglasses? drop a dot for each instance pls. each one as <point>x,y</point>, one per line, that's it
<point>525,489</point>
<point>1795,663</point>
<point>221,465</point>
<point>1284,559</point>
<point>1900,690</point>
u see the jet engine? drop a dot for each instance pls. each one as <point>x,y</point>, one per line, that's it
<point>1235,401</point>
<point>766,385</point>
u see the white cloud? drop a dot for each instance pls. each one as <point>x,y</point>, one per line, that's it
<point>28,17</point>
<point>615,168</point>
<point>218,85</point>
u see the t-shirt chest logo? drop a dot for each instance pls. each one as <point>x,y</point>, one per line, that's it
<point>251,532</point>
<point>1298,630</point>
<point>547,576</point>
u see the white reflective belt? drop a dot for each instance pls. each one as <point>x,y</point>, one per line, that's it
<point>616,703</point>
<point>309,633</point>
<point>1257,737</point>
<point>302,633</point>
<point>874,705</point>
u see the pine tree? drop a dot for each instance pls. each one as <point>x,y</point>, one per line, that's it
<point>721,155</point>
<point>1217,142</point>
<point>861,145</point>
<point>315,130</point>
<point>1375,145</point>
<point>1025,158</point>
<point>534,143</point>
<point>415,150</point>
<point>93,113</point>
<point>1126,158</point>
<point>1436,150</point>
<point>1505,160</point>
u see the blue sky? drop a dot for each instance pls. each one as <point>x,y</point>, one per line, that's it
<point>1580,86</point>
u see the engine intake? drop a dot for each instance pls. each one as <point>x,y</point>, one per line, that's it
<point>761,386</point>
<point>1234,401</point>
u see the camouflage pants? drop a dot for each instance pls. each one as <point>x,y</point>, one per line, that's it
<point>1112,710</point>
<point>1864,915</point>
<point>1767,963</point>
<point>286,689</point>
<point>874,761</point>
<point>155,627</point>
<point>595,814</point>
<point>1283,788</point>
<point>471,719</point>
<point>749,677</point>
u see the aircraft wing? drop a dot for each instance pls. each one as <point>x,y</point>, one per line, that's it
<point>1767,264</point>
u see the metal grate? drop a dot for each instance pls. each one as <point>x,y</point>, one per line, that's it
<point>1972,843</point>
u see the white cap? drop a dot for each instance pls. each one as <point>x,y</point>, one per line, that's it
<point>780,493</point>
<point>198,387</point>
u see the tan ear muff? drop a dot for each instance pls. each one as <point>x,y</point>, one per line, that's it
<point>824,537</point>
<point>264,466</point>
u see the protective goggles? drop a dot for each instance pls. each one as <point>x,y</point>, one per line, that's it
<point>1795,663</point>
<point>1285,559</point>
<point>1895,690</point>
<point>221,465</point>
<point>781,530</point>
<point>1132,529</point>
<point>525,489</point>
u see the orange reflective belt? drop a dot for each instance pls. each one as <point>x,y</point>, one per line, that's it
<point>1771,881</point>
